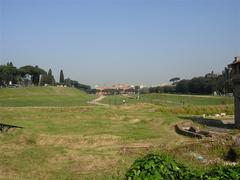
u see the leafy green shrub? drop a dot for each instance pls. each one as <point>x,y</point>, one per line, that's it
<point>223,172</point>
<point>159,167</point>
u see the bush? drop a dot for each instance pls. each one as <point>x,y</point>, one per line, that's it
<point>154,166</point>
<point>223,172</point>
<point>159,167</point>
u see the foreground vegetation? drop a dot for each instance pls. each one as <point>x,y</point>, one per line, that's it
<point>64,137</point>
<point>155,166</point>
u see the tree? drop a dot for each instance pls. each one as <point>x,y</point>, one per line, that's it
<point>50,78</point>
<point>8,73</point>
<point>136,88</point>
<point>144,90</point>
<point>169,89</point>
<point>35,73</point>
<point>68,82</point>
<point>174,80</point>
<point>10,64</point>
<point>61,80</point>
<point>183,86</point>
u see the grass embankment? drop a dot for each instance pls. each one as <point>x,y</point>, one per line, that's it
<point>43,96</point>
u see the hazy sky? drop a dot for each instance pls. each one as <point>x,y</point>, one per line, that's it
<point>129,41</point>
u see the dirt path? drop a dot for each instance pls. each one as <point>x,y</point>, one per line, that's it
<point>97,101</point>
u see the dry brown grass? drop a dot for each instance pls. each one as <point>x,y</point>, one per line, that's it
<point>76,142</point>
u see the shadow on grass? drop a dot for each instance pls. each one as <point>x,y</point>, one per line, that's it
<point>210,122</point>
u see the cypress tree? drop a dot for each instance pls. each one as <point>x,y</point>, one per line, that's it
<point>61,80</point>
<point>50,78</point>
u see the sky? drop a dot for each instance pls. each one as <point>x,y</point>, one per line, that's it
<point>103,42</point>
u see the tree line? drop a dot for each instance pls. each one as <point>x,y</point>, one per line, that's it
<point>27,75</point>
<point>208,84</point>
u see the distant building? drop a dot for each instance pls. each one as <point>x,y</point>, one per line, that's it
<point>104,90</point>
<point>165,84</point>
<point>142,86</point>
<point>115,89</point>
<point>211,75</point>
<point>121,86</point>
<point>26,80</point>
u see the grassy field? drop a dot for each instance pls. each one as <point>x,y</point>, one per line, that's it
<point>178,104</point>
<point>75,140</point>
<point>170,99</point>
<point>43,96</point>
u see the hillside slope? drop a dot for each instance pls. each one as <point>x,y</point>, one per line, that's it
<point>43,96</point>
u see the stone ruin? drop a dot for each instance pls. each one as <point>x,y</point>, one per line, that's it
<point>191,131</point>
<point>6,127</point>
<point>235,77</point>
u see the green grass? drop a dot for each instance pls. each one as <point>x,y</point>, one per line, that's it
<point>43,96</point>
<point>65,138</point>
<point>170,100</point>
<point>179,104</point>
<point>85,142</point>
<point>85,121</point>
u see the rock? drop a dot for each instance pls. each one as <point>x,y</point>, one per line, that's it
<point>197,156</point>
<point>223,114</point>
